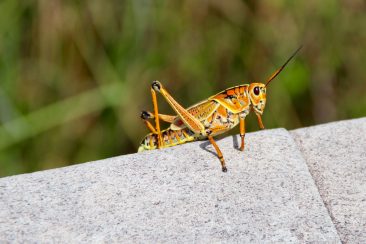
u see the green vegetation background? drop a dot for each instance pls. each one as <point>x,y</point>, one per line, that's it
<point>74,75</point>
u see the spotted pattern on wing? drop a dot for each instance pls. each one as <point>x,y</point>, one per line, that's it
<point>200,111</point>
<point>235,99</point>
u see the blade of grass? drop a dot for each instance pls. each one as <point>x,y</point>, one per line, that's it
<point>60,113</point>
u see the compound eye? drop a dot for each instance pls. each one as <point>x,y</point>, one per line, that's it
<point>256,90</point>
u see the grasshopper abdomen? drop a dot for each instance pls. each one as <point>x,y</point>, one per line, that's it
<point>170,138</point>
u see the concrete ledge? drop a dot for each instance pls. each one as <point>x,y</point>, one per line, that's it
<point>336,155</point>
<point>179,194</point>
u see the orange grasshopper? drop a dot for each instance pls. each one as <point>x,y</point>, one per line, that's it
<point>207,118</point>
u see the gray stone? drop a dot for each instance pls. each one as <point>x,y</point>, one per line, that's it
<point>176,194</point>
<point>336,155</point>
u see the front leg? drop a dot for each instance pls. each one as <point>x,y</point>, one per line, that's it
<point>260,123</point>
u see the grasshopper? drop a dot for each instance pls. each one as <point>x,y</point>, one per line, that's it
<point>208,118</point>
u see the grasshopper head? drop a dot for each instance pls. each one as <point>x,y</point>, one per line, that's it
<point>257,95</point>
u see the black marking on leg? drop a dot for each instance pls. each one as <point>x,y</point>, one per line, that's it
<point>224,169</point>
<point>231,96</point>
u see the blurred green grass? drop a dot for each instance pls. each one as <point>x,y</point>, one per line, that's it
<point>74,75</point>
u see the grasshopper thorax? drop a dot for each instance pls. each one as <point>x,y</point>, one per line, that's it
<point>257,95</point>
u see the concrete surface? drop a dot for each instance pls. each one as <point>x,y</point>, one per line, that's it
<point>336,156</point>
<point>179,194</point>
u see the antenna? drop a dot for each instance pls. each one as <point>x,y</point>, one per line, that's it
<point>282,67</point>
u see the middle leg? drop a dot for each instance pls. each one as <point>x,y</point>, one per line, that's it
<point>242,133</point>
<point>219,153</point>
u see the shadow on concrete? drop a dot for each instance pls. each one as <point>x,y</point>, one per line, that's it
<point>236,142</point>
<point>204,146</point>
<point>207,143</point>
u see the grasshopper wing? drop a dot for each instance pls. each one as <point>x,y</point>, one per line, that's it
<point>235,99</point>
<point>200,111</point>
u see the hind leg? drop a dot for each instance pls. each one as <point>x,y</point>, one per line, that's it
<point>188,119</point>
<point>156,116</point>
<point>146,115</point>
